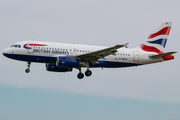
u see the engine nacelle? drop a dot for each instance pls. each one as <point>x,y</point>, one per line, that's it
<point>66,62</point>
<point>54,68</point>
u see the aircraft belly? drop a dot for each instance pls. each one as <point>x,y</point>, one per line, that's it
<point>112,64</point>
<point>32,58</point>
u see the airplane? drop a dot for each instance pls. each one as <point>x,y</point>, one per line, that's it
<point>63,57</point>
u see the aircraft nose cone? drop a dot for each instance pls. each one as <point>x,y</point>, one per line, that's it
<point>5,52</point>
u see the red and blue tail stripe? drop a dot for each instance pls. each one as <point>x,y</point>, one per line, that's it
<point>159,41</point>
<point>164,31</point>
<point>150,49</point>
<point>156,41</point>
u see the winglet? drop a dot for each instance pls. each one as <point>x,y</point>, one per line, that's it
<point>126,44</point>
<point>119,46</point>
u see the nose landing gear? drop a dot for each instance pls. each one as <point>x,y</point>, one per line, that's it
<point>27,70</point>
<point>29,65</point>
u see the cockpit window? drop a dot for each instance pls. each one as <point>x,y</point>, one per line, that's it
<point>16,46</point>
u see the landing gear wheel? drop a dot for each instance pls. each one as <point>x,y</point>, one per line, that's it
<point>28,64</point>
<point>80,75</point>
<point>88,73</point>
<point>27,70</point>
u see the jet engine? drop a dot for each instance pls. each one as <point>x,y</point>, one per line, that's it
<point>54,68</point>
<point>66,62</point>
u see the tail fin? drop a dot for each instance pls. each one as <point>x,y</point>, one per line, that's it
<point>156,41</point>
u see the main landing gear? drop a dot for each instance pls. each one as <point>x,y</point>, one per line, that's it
<point>81,75</point>
<point>29,65</point>
<point>88,73</point>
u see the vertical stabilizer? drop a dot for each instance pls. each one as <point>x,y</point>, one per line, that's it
<point>156,41</point>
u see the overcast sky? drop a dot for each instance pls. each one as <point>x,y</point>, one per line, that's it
<point>155,88</point>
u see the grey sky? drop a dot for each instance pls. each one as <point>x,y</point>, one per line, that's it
<point>95,22</point>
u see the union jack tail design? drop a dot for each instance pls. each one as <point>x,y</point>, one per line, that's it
<point>156,41</point>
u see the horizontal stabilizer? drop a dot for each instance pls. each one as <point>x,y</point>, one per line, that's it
<point>162,55</point>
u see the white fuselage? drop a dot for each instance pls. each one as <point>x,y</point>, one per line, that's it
<point>47,52</point>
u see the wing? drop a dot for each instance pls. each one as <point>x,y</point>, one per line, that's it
<point>100,54</point>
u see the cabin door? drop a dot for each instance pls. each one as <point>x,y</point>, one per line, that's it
<point>136,56</point>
